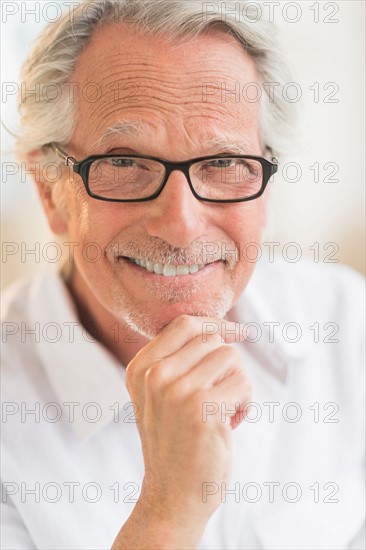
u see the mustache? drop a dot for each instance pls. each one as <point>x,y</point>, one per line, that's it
<point>158,251</point>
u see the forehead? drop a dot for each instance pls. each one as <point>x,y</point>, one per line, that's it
<point>195,84</point>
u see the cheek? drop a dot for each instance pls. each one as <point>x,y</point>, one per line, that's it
<point>93,226</point>
<point>89,220</point>
<point>246,221</point>
<point>85,232</point>
<point>246,225</point>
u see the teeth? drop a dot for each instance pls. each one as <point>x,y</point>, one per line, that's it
<point>158,268</point>
<point>168,270</point>
<point>183,269</point>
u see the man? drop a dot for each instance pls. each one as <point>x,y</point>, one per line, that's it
<point>150,417</point>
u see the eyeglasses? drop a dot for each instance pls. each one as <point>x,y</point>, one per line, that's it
<point>136,178</point>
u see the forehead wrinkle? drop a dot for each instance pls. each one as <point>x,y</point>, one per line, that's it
<point>162,74</point>
<point>130,60</point>
<point>126,73</point>
<point>194,80</point>
<point>171,105</point>
<point>161,100</point>
<point>119,88</point>
<point>156,93</point>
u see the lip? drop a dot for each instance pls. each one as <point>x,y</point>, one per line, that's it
<point>141,271</point>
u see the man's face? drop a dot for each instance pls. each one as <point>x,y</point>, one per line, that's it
<point>161,90</point>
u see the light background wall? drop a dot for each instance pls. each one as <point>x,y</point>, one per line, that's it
<point>329,55</point>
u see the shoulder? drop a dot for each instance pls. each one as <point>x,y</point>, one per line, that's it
<point>30,296</point>
<point>308,288</point>
<point>20,298</point>
<point>26,305</point>
<point>12,298</point>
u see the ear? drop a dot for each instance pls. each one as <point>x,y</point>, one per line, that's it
<point>57,219</point>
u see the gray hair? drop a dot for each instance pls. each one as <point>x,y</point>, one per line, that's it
<point>52,61</point>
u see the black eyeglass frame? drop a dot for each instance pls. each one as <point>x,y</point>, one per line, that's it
<point>82,167</point>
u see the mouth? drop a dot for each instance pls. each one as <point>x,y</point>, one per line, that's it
<point>168,270</point>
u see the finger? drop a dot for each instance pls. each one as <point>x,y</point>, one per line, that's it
<point>180,331</point>
<point>191,357</point>
<point>231,397</point>
<point>218,380</point>
<point>175,336</point>
<point>210,368</point>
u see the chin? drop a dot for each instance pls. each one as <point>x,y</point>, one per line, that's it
<point>149,323</point>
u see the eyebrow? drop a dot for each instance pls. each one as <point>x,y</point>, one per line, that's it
<point>241,146</point>
<point>126,128</point>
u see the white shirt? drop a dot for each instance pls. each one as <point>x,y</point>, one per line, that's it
<point>72,469</point>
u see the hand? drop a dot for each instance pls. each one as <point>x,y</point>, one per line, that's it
<point>170,380</point>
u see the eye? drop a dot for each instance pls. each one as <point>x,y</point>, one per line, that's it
<point>222,163</point>
<point>123,163</point>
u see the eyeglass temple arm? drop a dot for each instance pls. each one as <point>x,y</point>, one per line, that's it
<point>274,159</point>
<point>67,159</point>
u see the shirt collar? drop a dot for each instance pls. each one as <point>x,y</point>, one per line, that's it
<point>264,307</point>
<point>83,371</point>
<point>80,370</point>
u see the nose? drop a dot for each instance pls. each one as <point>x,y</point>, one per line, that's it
<point>176,216</point>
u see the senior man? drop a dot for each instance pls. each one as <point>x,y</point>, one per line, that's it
<point>210,437</point>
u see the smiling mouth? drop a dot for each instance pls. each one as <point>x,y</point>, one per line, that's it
<point>167,270</point>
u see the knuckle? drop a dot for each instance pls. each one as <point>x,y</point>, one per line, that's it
<point>183,321</point>
<point>232,354</point>
<point>155,375</point>
<point>215,339</point>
